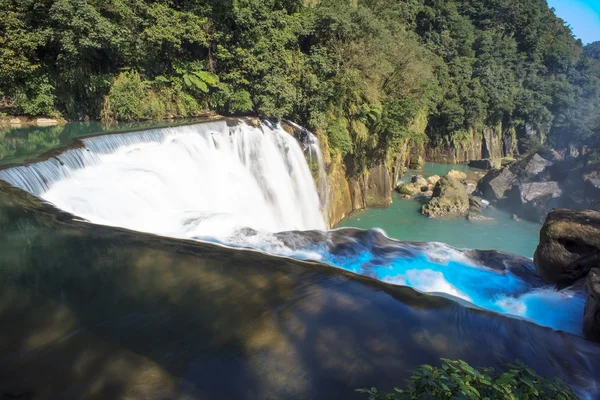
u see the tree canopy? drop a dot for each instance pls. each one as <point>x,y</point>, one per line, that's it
<point>368,74</point>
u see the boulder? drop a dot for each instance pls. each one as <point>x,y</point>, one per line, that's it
<point>534,191</point>
<point>531,168</point>
<point>408,189</point>
<point>496,183</point>
<point>475,203</point>
<point>591,313</point>
<point>418,180</point>
<point>416,162</point>
<point>46,122</point>
<point>458,175</point>
<point>489,163</point>
<point>433,179</point>
<point>406,197</point>
<point>569,245</point>
<point>15,121</point>
<point>474,217</point>
<point>449,198</point>
<point>534,200</point>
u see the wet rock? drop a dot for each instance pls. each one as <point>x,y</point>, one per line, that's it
<point>474,217</point>
<point>449,198</point>
<point>475,203</point>
<point>418,180</point>
<point>496,183</point>
<point>489,163</point>
<point>591,315</point>
<point>406,197</point>
<point>458,175</point>
<point>515,217</point>
<point>433,179</point>
<point>408,189</point>
<point>569,245</point>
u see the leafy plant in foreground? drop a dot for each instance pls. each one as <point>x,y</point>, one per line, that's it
<point>457,380</point>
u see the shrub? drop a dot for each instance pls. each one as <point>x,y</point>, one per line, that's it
<point>458,380</point>
<point>128,98</point>
<point>37,98</point>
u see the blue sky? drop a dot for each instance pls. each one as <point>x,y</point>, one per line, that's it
<point>582,15</point>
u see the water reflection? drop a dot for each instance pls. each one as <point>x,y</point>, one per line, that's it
<point>92,311</point>
<point>18,144</point>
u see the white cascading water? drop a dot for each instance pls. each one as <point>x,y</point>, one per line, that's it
<point>205,180</point>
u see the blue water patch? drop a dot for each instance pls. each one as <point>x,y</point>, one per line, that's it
<point>498,291</point>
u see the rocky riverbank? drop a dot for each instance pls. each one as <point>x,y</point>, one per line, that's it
<point>534,185</point>
<point>17,121</point>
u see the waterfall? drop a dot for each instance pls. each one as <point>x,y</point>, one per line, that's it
<point>202,180</point>
<point>252,186</point>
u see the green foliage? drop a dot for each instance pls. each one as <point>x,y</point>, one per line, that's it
<point>592,50</point>
<point>36,97</point>
<point>458,380</point>
<point>372,75</point>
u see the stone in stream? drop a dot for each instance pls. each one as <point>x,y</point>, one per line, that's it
<point>408,189</point>
<point>496,183</point>
<point>433,179</point>
<point>569,245</point>
<point>449,198</point>
<point>591,315</point>
<point>458,175</point>
<point>474,217</point>
<point>419,181</point>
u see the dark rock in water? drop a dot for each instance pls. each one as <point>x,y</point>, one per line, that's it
<point>419,180</point>
<point>449,197</point>
<point>591,316</point>
<point>531,168</point>
<point>496,183</point>
<point>489,163</point>
<point>474,217</point>
<point>569,245</point>
<point>475,203</point>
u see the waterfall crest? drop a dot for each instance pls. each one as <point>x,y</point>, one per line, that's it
<point>209,179</point>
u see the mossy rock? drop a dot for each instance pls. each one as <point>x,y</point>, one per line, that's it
<point>449,198</point>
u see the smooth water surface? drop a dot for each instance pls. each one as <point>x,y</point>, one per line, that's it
<point>18,144</point>
<point>403,221</point>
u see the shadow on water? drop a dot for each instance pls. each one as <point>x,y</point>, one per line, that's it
<point>98,312</point>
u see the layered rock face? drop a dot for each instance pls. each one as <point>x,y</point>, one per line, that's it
<point>569,245</point>
<point>351,194</point>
